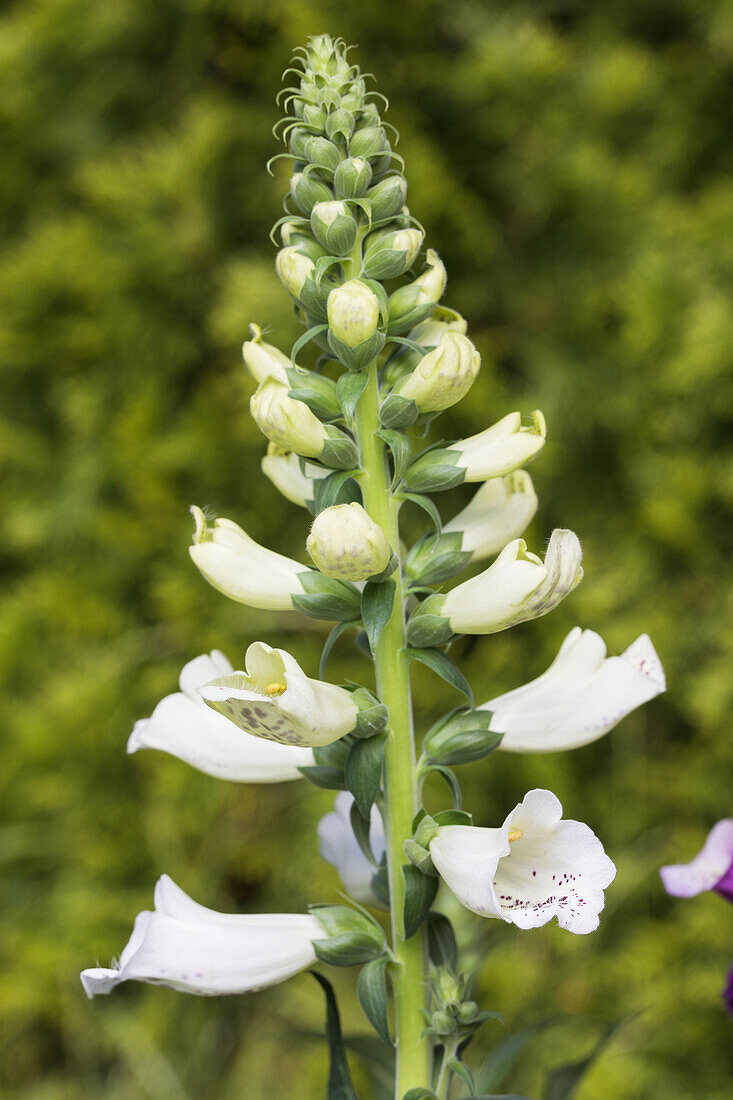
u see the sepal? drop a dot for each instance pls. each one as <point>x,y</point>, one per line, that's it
<point>352,936</point>
<point>435,559</point>
<point>352,178</point>
<point>307,190</point>
<point>357,357</point>
<point>392,254</point>
<point>339,450</point>
<point>373,714</point>
<point>327,598</point>
<point>434,470</point>
<point>314,390</point>
<point>460,738</point>
<point>398,412</point>
<point>426,627</point>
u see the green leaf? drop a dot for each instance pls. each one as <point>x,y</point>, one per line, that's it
<point>346,949</point>
<point>427,505</point>
<point>349,389</point>
<point>442,946</point>
<point>304,339</point>
<point>440,663</point>
<point>420,891</point>
<point>453,817</point>
<point>419,1093</point>
<point>363,771</point>
<point>340,1086</point>
<point>329,779</point>
<point>382,297</point>
<point>377,601</point>
<point>502,1059</point>
<point>360,827</point>
<point>450,778</point>
<point>330,642</point>
<point>371,991</point>
<point>562,1082</point>
<point>337,488</point>
<point>401,449</point>
<point>461,1070</point>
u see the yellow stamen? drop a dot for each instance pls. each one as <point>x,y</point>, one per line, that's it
<point>515,834</point>
<point>275,689</point>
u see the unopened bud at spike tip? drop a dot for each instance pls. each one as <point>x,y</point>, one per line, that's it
<point>293,269</point>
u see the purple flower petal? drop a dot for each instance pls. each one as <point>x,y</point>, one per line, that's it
<point>728,993</point>
<point>711,869</point>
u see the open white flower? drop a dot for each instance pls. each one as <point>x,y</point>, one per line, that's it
<point>581,696</point>
<point>187,947</point>
<point>284,470</point>
<point>275,699</point>
<point>184,726</point>
<point>518,587</point>
<point>339,847</point>
<point>500,511</point>
<point>535,867</point>
<point>503,447</point>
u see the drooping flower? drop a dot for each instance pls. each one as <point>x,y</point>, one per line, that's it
<point>184,946</point>
<point>184,726</point>
<point>292,425</point>
<point>283,468</point>
<point>711,869</point>
<point>581,696</point>
<point>535,867</point>
<point>499,511</point>
<point>274,699</point>
<point>346,543</point>
<point>339,847</point>
<point>264,360</point>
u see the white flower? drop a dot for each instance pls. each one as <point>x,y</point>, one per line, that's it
<point>353,312</point>
<point>293,268</point>
<point>283,468</point>
<point>287,422</point>
<point>503,447</point>
<point>581,696</point>
<point>241,569</point>
<point>264,360</point>
<point>517,587</point>
<point>275,699</point>
<point>339,847</point>
<point>535,867</point>
<point>187,947</point>
<point>184,726</point>
<point>499,512</point>
<point>443,376</point>
<point>428,333</point>
<point>345,543</point>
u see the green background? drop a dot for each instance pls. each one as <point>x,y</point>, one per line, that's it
<point>572,165</point>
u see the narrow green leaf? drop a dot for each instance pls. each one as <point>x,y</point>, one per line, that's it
<point>360,827</point>
<point>304,339</point>
<point>382,297</point>
<point>340,1086</point>
<point>377,601</point>
<point>330,642</point>
<point>461,1070</point>
<point>349,389</point>
<point>329,779</point>
<point>401,449</point>
<point>419,1093</point>
<point>562,1082</point>
<point>337,488</point>
<point>453,817</point>
<point>363,771</point>
<point>427,505</point>
<point>420,891</point>
<point>371,991</point>
<point>440,663</point>
<point>450,778</point>
<point>442,946</point>
<point>502,1059</point>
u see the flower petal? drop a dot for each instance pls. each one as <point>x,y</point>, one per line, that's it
<point>466,858</point>
<point>710,865</point>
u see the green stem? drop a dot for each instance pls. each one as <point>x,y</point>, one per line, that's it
<point>393,686</point>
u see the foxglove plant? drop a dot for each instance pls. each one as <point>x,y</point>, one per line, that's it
<point>341,444</point>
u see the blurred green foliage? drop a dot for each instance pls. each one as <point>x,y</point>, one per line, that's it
<point>572,165</point>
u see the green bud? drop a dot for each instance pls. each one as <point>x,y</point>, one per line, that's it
<point>468,1012</point>
<point>352,178</point>
<point>314,116</point>
<point>461,738</point>
<point>442,1022</point>
<point>347,544</point>
<point>353,100</point>
<point>298,236</point>
<point>322,153</point>
<point>391,255</point>
<point>426,626</point>
<point>334,226</point>
<point>446,986</point>
<point>293,269</point>
<point>387,197</point>
<point>297,141</point>
<point>307,190</point>
<point>414,302</point>
<point>368,142</point>
<point>340,123</point>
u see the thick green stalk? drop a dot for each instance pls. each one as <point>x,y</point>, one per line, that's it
<point>393,686</point>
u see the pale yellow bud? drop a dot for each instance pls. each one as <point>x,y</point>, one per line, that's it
<point>353,313</point>
<point>432,282</point>
<point>345,543</point>
<point>287,422</point>
<point>443,376</point>
<point>264,360</point>
<point>293,268</point>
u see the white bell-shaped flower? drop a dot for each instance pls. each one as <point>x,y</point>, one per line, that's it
<point>184,946</point>
<point>500,511</point>
<point>581,696</point>
<point>184,726</point>
<point>241,569</point>
<point>443,376</point>
<point>264,360</point>
<point>287,422</point>
<point>339,847</point>
<point>284,470</point>
<point>503,447</point>
<point>535,867</point>
<point>517,587</point>
<point>274,699</point>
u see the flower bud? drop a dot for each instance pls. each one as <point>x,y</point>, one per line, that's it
<point>352,178</point>
<point>429,332</point>
<point>347,544</point>
<point>322,153</point>
<point>353,316</point>
<point>334,226</point>
<point>307,190</point>
<point>340,123</point>
<point>293,268</point>
<point>440,379</point>
<point>314,116</point>
<point>392,254</point>
<point>387,197</point>
<point>414,302</point>
<point>368,142</point>
<point>263,360</point>
<point>294,234</point>
<point>293,426</point>
<point>284,470</point>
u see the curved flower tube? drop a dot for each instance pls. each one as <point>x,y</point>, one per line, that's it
<point>184,726</point>
<point>518,587</point>
<point>339,847</point>
<point>184,946</point>
<point>535,867</point>
<point>500,511</point>
<point>274,699</point>
<point>284,470</point>
<point>581,696</point>
<point>264,360</point>
<point>503,447</point>
<point>711,869</point>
